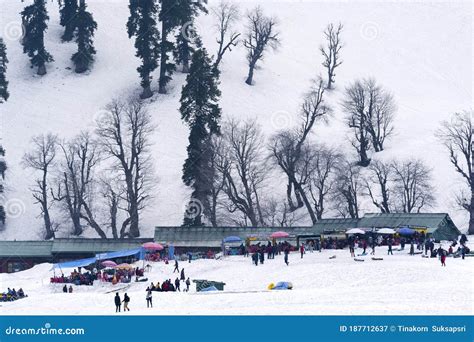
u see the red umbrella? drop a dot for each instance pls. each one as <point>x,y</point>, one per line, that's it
<point>280,234</point>
<point>153,246</point>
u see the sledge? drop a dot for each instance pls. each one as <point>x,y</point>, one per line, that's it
<point>332,257</point>
<point>363,254</point>
<point>374,258</point>
<point>357,259</point>
<point>120,289</point>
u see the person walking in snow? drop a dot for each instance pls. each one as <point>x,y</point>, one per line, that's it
<point>118,302</point>
<point>364,246</point>
<point>302,250</point>
<point>190,257</point>
<point>412,247</point>
<point>442,254</point>
<point>149,298</point>
<point>188,283</point>
<point>176,284</point>
<point>176,269</point>
<point>126,300</point>
<point>351,248</point>
<point>255,258</point>
<point>390,243</point>
<point>183,278</point>
<point>287,252</point>
<point>262,255</point>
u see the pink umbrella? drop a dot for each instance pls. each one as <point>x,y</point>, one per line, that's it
<point>153,246</point>
<point>280,234</point>
<point>109,263</point>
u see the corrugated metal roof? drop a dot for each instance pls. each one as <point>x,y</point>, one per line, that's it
<point>25,248</point>
<point>95,245</point>
<point>378,220</point>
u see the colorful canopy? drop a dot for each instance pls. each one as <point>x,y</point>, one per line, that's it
<point>280,234</point>
<point>386,231</point>
<point>153,246</point>
<point>124,266</point>
<point>231,239</point>
<point>406,231</point>
<point>108,263</point>
<point>355,231</point>
<point>75,263</point>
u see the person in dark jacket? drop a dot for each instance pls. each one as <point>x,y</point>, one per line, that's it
<point>126,300</point>
<point>287,252</point>
<point>65,288</point>
<point>412,247</point>
<point>176,284</point>
<point>255,258</point>
<point>190,257</point>
<point>183,278</point>
<point>118,302</point>
<point>442,255</point>
<point>390,243</point>
<point>188,283</point>
<point>262,256</point>
<point>176,269</point>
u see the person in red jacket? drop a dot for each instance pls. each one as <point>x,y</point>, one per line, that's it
<point>302,250</point>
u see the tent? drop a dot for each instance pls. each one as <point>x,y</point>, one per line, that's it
<point>232,239</point>
<point>75,263</point>
<point>139,252</point>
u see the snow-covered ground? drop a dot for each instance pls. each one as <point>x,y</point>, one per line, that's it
<point>398,285</point>
<point>420,51</point>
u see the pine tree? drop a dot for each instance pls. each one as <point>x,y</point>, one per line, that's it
<point>34,18</point>
<point>142,24</point>
<point>187,39</point>
<point>169,17</point>
<point>3,70</point>
<point>86,26</point>
<point>200,110</point>
<point>68,11</point>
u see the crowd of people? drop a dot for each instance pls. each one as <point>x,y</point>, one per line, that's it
<point>11,295</point>
<point>77,277</point>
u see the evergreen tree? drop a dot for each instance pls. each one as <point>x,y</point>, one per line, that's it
<point>34,18</point>
<point>86,26</point>
<point>68,10</point>
<point>142,24</point>
<point>169,17</point>
<point>3,70</point>
<point>200,110</point>
<point>187,39</point>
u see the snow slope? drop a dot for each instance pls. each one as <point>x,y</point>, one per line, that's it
<point>398,285</point>
<point>422,52</point>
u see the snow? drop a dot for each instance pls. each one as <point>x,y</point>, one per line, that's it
<point>422,52</point>
<point>398,285</point>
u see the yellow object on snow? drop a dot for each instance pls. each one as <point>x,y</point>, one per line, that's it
<point>271,286</point>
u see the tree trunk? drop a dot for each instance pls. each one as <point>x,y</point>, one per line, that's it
<point>134,229</point>
<point>147,93</point>
<point>47,225</point>
<point>471,208</point>
<point>41,70</point>
<point>186,67</point>
<point>76,221</point>
<point>163,58</point>
<point>306,202</point>
<point>250,75</point>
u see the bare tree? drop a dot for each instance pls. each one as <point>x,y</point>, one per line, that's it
<point>76,183</point>
<point>220,164</point>
<point>289,151</point>
<point>246,170</point>
<point>226,15</point>
<point>457,136</point>
<point>370,113</point>
<point>412,185</point>
<point>41,158</point>
<point>348,190</point>
<point>377,185</point>
<point>331,51</point>
<point>261,34</point>
<point>124,135</point>
<point>324,162</point>
<point>113,191</point>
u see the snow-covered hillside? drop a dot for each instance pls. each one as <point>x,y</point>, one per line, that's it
<point>398,285</point>
<point>421,52</point>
